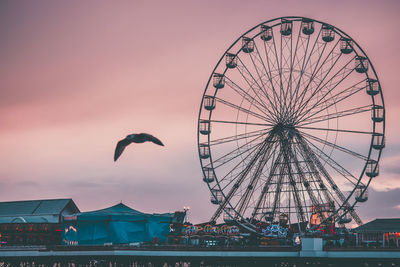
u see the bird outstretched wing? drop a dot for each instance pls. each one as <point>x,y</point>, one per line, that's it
<point>135,138</point>
<point>120,148</point>
<point>153,139</point>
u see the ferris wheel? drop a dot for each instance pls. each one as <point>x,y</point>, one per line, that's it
<point>291,123</point>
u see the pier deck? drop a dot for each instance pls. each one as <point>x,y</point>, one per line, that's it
<point>196,256</point>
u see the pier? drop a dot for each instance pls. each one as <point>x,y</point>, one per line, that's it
<point>310,254</point>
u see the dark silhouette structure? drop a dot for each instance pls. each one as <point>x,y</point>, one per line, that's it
<point>276,122</point>
<point>134,138</point>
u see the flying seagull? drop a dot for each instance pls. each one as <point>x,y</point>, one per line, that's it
<point>134,138</point>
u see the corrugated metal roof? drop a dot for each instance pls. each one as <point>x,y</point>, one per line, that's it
<point>380,225</point>
<point>18,207</point>
<point>46,210</point>
<point>53,206</point>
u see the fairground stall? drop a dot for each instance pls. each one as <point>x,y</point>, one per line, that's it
<point>118,224</point>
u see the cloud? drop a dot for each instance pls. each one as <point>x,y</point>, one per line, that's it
<point>391,164</point>
<point>380,204</point>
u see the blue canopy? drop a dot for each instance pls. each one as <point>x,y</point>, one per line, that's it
<point>118,224</point>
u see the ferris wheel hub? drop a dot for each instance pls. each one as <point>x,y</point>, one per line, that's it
<point>284,127</point>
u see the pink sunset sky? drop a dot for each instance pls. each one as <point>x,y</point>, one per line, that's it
<point>77,76</point>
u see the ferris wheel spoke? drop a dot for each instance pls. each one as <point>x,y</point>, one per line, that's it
<point>334,164</point>
<point>287,165</point>
<point>329,197</point>
<point>325,196</point>
<point>268,73</point>
<point>260,76</point>
<point>315,180</point>
<point>326,66</point>
<point>342,74</point>
<point>251,84</point>
<point>278,190</point>
<point>292,65</point>
<point>303,180</point>
<point>319,70</point>
<point>332,58</point>
<point>239,108</point>
<point>300,40</point>
<point>234,138</point>
<point>242,122</point>
<point>283,60</point>
<point>338,114</point>
<point>251,80</point>
<point>236,167</point>
<point>286,63</point>
<point>333,185</point>
<point>314,69</point>
<point>231,154</point>
<point>302,173</point>
<point>279,65</point>
<point>249,98</point>
<point>318,88</point>
<point>334,130</point>
<point>267,185</point>
<point>335,146</point>
<point>345,94</point>
<point>241,177</point>
<point>244,201</point>
<point>269,48</point>
<point>303,69</point>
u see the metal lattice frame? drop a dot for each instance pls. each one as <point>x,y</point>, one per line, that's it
<point>292,120</point>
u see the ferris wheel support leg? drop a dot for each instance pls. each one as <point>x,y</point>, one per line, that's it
<point>315,173</point>
<point>235,187</point>
<point>333,185</point>
<point>331,162</point>
<point>254,180</point>
<point>286,151</point>
<point>278,190</point>
<point>310,193</point>
<point>266,185</point>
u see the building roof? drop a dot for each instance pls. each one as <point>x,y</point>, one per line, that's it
<point>119,211</point>
<point>116,209</point>
<point>380,225</point>
<point>36,211</point>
